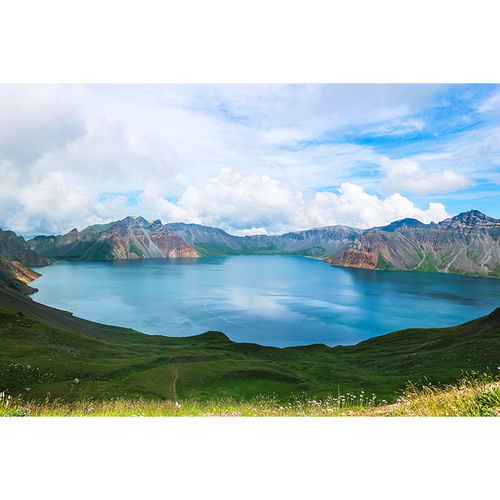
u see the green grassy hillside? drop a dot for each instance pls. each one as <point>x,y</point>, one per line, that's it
<point>43,350</point>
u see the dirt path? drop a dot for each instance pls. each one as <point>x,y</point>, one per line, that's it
<point>173,383</point>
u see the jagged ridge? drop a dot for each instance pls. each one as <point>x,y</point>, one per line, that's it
<point>130,238</point>
<point>467,244</point>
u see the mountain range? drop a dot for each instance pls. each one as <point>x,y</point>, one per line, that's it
<point>466,244</point>
<point>135,237</point>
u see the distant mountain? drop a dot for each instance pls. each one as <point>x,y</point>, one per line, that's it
<point>15,258</point>
<point>130,238</point>
<point>473,219</point>
<point>467,244</point>
<point>135,237</point>
<point>400,223</point>
<point>210,241</point>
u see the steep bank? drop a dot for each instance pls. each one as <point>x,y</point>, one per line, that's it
<point>15,258</point>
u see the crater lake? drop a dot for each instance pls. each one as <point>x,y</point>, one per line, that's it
<point>270,300</point>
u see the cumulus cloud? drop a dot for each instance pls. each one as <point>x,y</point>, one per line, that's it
<point>404,174</point>
<point>353,206</point>
<point>231,200</point>
<point>252,204</point>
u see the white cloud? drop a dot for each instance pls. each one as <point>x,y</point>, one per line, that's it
<point>353,206</point>
<point>35,120</point>
<point>491,103</point>
<point>404,174</point>
<point>231,200</point>
<point>256,204</point>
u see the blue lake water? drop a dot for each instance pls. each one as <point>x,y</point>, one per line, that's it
<point>269,300</point>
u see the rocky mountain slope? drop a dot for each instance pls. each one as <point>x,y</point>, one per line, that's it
<point>467,244</point>
<point>135,237</point>
<point>210,241</point>
<point>15,257</point>
<point>130,238</point>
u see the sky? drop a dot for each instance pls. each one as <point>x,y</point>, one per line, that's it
<point>250,159</point>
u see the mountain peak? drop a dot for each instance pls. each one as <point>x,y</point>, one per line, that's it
<point>134,218</point>
<point>408,222</point>
<point>137,221</point>
<point>472,218</point>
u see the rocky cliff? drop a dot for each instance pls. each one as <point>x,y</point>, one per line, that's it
<point>130,238</point>
<point>466,244</point>
<point>15,258</point>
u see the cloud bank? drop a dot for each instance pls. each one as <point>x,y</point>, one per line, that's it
<point>257,203</point>
<point>247,158</point>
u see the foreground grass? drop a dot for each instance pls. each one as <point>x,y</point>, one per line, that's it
<point>470,398</point>
<point>473,396</point>
<point>139,407</point>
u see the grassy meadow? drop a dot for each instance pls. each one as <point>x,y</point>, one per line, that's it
<point>474,396</point>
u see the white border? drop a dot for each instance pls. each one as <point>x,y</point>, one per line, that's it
<point>266,458</point>
<point>320,41</point>
<point>258,41</point>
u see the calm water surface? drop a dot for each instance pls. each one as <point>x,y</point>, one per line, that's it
<point>270,300</point>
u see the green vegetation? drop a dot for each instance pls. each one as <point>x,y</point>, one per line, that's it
<point>97,228</point>
<point>221,250</point>
<point>384,265</point>
<point>45,352</point>
<point>474,396</point>
<point>136,251</point>
<point>213,249</point>
<point>428,264</point>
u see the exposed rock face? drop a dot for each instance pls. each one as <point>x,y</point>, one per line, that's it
<point>14,247</point>
<point>467,244</point>
<point>135,237</point>
<point>23,273</point>
<point>130,238</point>
<point>472,219</point>
<point>12,277</point>
<point>15,257</point>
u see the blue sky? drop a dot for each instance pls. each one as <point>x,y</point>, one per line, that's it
<point>247,158</point>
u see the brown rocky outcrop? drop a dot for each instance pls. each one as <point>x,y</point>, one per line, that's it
<point>468,243</point>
